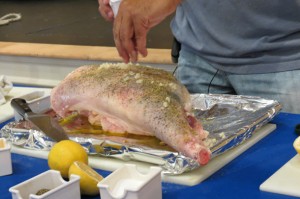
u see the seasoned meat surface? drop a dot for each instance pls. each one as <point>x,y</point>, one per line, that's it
<point>134,99</point>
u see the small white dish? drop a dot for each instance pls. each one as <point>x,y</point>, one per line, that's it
<point>128,183</point>
<point>50,180</point>
<point>5,158</point>
<point>38,101</point>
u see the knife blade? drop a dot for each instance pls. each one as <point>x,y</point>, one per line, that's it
<point>43,122</point>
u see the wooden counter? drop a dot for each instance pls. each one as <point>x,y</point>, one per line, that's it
<point>159,56</point>
<point>47,64</point>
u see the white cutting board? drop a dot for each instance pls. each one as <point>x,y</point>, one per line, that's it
<point>29,94</point>
<point>190,178</point>
<point>286,180</point>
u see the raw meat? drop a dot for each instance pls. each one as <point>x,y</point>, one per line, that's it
<point>134,99</point>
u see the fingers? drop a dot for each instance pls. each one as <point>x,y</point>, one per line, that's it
<point>124,37</point>
<point>127,37</point>
<point>105,10</point>
<point>117,38</point>
<point>141,38</point>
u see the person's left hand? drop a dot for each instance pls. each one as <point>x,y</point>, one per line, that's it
<point>105,10</point>
<point>134,20</point>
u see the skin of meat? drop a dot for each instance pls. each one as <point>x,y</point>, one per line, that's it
<point>134,99</point>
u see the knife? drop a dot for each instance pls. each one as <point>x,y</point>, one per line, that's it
<point>43,122</point>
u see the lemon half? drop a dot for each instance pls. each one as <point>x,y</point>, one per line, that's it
<point>296,144</point>
<point>63,154</point>
<point>2,144</point>
<point>89,178</point>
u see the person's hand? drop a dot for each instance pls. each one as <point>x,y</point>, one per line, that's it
<point>134,20</point>
<point>105,10</point>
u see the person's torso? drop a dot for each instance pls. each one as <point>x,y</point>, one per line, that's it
<point>247,35</point>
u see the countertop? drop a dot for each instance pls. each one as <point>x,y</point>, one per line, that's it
<point>78,52</point>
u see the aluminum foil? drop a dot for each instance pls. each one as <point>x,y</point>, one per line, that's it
<point>229,119</point>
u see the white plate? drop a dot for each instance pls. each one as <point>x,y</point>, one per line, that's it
<point>286,180</point>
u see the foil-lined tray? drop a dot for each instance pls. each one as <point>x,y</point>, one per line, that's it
<point>229,119</point>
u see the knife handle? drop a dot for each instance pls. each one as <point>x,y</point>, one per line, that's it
<point>20,105</point>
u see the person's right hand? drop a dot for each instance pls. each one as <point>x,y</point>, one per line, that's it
<point>133,21</point>
<point>105,10</point>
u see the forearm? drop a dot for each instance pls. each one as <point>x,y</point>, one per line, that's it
<point>162,9</point>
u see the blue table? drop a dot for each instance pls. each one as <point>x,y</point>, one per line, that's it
<point>240,178</point>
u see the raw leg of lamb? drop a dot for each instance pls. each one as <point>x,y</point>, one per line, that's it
<point>134,99</point>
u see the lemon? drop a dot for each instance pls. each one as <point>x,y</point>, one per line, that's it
<point>63,154</point>
<point>89,178</point>
<point>2,143</point>
<point>296,144</point>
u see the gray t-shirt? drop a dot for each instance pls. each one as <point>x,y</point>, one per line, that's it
<point>241,36</point>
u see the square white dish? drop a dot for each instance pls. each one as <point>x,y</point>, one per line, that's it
<point>38,101</point>
<point>30,94</point>
<point>50,180</point>
<point>5,158</point>
<point>129,183</point>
